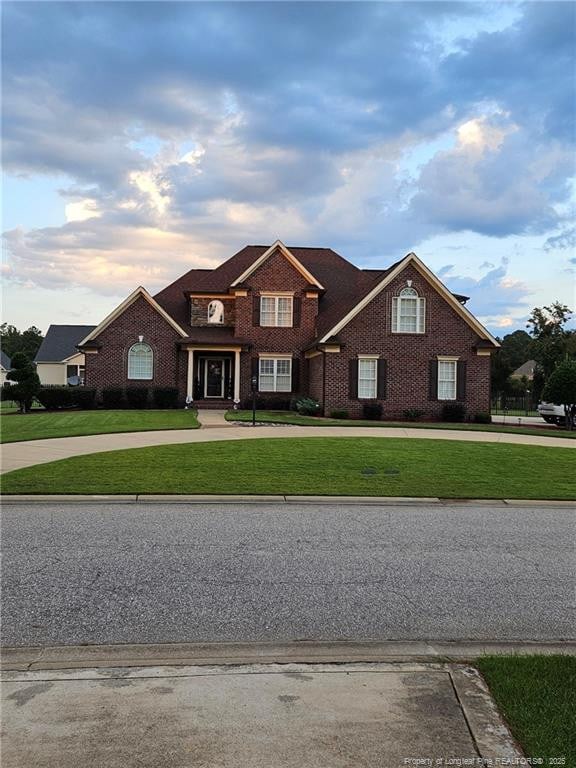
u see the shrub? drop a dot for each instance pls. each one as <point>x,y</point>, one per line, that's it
<point>413,414</point>
<point>307,406</point>
<point>453,412</point>
<point>372,411</point>
<point>339,414</point>
<point>113,397</point>
<point>165,397</point>
<point>268,404</point>
<point>482,418</point>
<point>25,382</point>
<point>53,398</point>
<point>84,397</point>
<point>137,397</point>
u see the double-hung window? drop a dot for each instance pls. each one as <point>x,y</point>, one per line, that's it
<point>367,377</point>
<point>275,374</point>
<point>408,312</point>
<point>276,311</point>
<point>140,361</point>
<point>447,379</point>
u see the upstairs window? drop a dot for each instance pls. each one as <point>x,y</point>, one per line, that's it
<point>276,311</point>
<point>140,361</point>
<point>408,311</point>
<point>216,312</point>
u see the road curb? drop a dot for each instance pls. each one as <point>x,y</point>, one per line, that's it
<point>303,652</point>
<point>275,499</point>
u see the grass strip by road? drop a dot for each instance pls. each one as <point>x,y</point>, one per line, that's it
<point>291,417</point>
<point>537,696</point>
<point>344,466</point>
<point>39,425</point>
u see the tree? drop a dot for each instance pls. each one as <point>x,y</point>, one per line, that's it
<point>13,340</point>
<point>561,389</point>
<point>515,348</point>
<point>550,339</point>
<point>27,383</point>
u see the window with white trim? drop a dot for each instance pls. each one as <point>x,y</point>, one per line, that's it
<point>140,361</point>
<point>408,312</point>
<point>367,377</point>
<point>447,379</point>
<point>276,311</point>
<point>275,374</point>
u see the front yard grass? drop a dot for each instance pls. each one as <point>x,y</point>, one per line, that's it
<point>344,466</point>
<point>42,424</point>
<point>291,417</point>
<point>537,696</point>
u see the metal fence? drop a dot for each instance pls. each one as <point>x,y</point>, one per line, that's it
<point>513,405</point>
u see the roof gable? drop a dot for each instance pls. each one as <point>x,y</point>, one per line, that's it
<point>278,246</point>
<point>60,342</point>
<point>428,275</point>
<point>139,292</point>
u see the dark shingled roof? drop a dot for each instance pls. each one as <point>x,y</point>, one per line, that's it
<point>345,285</point>
<point>60,342</point>
<point>5,361</point>
<point>213,335</point>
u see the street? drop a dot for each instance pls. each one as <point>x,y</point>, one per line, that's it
<point>152,573</point>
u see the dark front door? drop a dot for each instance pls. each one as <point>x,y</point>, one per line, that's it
<point>214,378</point>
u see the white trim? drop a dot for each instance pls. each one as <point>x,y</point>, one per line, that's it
<point>283,294</point>
<point>452,361</point>
<point>411,258</point>
<point>279,355</point>
<point>276,359</point>
<point>190,374</point>
<point>285,252</point>
<point>447,358</point>
<point>372,380</point>
<point>140,291</point>
<point>276,311</point>
<point>237,376</point>
<point>368,357</point>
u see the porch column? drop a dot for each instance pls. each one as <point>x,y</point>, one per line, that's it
<point>236,374</point>
<point>190,382</point>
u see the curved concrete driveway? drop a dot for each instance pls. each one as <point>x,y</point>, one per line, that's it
<point>27,454</point>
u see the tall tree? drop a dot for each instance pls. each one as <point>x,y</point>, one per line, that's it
<point>515,348</point>
<point>551,341</point>
<point>561,389</point>
<point>12,340</point>
<point>26,382</point>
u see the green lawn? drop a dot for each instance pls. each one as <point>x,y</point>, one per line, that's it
<point>537,695</point>
<point>291,417</point>
<point>364,466</point>
<point>41,424</point>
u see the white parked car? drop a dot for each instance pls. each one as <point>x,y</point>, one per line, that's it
<point>554,414</point>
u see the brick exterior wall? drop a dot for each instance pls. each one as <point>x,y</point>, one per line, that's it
<point>109,368</point>
<point>276,274</point>
<point>325,376</point>
<point>408,355</point>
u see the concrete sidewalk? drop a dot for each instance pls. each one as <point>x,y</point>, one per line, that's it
<point>255,716</point>
<point>27,454</point>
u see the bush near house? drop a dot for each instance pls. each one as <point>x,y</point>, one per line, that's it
<point>54,398</point>
<point>453,412</point>
<point>25,381</point>
<point>372,411</point>
<point>137,397</point>
<point>339,414</point>
<point>113,397</point>
<point>165,397</point>
<point>84,398</point>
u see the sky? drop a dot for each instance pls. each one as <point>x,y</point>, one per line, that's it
<point>142,139</point>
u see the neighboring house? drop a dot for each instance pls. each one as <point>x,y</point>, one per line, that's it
<point>58,361</point>
<point>299,321</point>
<point>526,369</point>
<point>5,366</point>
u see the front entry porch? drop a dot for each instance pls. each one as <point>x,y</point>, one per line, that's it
<point>213,377</point>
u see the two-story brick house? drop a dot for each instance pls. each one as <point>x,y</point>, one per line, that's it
<point>299,321</point>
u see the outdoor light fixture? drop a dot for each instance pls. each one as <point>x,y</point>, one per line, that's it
<point>140,338</point>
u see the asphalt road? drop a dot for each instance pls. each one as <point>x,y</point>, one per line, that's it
<point>186,573</point>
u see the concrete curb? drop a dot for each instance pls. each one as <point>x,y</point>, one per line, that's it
<point>304,652</point>
<point>276,499</point>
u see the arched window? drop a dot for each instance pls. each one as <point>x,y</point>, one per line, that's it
<point>408,312</point>
<point>216,312</point>
<point>140,361</point>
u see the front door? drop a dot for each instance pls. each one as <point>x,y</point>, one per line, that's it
<point>214,378</point>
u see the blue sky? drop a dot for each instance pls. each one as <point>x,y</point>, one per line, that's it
<point>143,139</point>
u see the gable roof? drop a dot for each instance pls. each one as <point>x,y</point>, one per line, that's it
<point>393,272</point>
<point>60,342</point>
<point>526,369</point>
<point>287,253</point>
<point>139,292</point>
<point>5,361</point>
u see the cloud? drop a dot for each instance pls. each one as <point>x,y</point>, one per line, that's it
<point>189,129</point>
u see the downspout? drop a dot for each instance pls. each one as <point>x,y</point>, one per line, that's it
<point>323,383</point>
